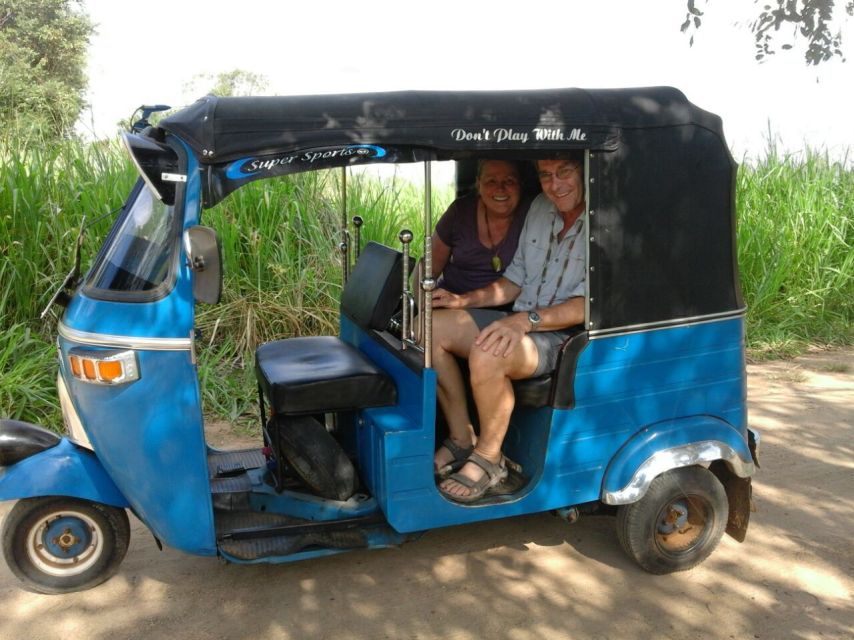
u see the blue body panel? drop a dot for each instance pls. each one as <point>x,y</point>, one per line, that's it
<point>149,434</point>
<point>623,384</point>
<point>63,470</point>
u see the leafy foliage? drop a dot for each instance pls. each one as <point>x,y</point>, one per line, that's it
<point>43,46</point>
<point>810,20</point>
<point>236,82</point>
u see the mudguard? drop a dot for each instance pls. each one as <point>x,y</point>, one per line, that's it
<point>61,470</point>
<point>670,445</point>
<point>19,440</point>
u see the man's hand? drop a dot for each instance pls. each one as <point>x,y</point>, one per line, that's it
<point>442,298</point>
<point>504,335</point>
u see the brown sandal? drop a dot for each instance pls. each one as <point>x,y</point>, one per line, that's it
<point>494,474</point>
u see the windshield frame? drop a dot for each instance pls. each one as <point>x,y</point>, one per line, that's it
<point>165,287</point>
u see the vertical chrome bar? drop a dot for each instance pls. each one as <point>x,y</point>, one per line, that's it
<point>357,240</point>
<point>588,224</point>
<point>344,245</point>
<point>406,297</point>
<point>428,283</point>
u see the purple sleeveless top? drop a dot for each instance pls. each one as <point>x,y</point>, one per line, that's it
<point>470,265</point>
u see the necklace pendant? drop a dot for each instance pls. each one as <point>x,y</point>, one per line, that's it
<point>496,263</point>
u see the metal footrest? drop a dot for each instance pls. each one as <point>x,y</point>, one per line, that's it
<point>277,544</point>
<point>222,464</point>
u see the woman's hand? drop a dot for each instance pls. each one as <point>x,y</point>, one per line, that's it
<point>442,298</point>
<point>504,335</point>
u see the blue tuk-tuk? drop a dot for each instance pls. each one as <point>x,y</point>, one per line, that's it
<point>643,417</point>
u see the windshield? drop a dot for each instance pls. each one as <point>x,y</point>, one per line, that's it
<point>137,258</point>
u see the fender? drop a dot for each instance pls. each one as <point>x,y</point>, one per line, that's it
<point>670,445</point>
<point>63,469</point>
<point>19,440</point>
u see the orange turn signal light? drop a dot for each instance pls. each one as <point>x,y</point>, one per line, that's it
<point>103,367</point>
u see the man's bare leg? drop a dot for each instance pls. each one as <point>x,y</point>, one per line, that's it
<point>454,332</point>
<point>493,393</point>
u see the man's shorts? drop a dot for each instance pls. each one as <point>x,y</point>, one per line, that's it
<point>548,343</point>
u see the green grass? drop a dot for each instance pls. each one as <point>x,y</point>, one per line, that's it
<point>796,253</point>
<point>282,264</point>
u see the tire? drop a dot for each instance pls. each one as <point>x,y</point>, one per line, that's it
<point>316,457</point>
<point>59,545</point>
<point>677,524</point>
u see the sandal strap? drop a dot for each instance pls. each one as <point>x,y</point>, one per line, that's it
<point>494,473</point>
<point>459,453</point>
<point>492,469</point>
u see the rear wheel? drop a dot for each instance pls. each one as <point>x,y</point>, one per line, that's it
<point>59,545</point>
<point>677,524</point>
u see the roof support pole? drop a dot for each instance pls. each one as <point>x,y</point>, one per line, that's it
<point>427,282</point>
<point>344,245</point>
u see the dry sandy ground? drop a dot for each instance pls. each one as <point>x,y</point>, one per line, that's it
<point>529,577</point>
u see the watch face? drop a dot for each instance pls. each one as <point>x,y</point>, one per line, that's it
<point>534,317</point>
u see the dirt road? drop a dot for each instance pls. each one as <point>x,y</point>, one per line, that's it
<point>529,577</point>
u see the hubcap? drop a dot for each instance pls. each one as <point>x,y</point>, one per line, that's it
<point>65,543</point>
<point>682,524</point>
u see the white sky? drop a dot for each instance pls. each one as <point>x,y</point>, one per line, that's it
<point>146,52</point>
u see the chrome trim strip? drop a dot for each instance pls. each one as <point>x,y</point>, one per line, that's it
<point>675,458</point>
<point>73,425</point>
<point>667,324</point>
<point>125,342</point>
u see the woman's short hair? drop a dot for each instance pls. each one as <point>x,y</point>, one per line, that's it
<point>482,162</point>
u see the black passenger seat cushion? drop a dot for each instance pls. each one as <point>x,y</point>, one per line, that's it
<point>318,375</point>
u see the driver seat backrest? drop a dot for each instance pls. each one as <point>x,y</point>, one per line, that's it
<point>372,293</point>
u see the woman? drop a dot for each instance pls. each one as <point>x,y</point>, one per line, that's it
<point>474,243</point>
<point>477,236</point>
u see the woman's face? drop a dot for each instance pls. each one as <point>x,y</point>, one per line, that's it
<point>499,188</point>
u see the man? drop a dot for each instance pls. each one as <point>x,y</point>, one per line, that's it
<point>546,284</point>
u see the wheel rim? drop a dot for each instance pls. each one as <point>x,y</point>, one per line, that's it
<point>682,525</point>
<point>66,543</point>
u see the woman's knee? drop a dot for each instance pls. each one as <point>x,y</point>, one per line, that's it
<point>453,331</point>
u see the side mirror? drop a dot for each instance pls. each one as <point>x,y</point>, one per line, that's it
<point>204,257</point>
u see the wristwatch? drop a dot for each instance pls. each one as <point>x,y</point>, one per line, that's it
<point>535,319</point>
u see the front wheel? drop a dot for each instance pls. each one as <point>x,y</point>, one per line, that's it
<point>678,522</point>
<point>58,545</point>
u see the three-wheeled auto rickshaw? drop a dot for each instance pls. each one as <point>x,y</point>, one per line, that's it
<point>644,416</point>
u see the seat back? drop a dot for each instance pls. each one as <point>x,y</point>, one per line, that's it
<point>372,293</point>
<point>557,388</point>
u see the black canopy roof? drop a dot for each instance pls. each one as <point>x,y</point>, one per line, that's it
<point>660,179</point>
<point>223,129</point>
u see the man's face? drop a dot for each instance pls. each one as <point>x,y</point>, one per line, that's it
<point>561,182</point>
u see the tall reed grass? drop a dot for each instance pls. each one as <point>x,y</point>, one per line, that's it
<point>796,252</point>
<point>282,265</point>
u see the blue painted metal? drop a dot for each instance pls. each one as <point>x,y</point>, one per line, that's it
<point>74,529</point>
<point>149,434</point>
<point>63,470</point>
<point>680,509</point>
<point>622,385</point>
<point>304,505</point>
